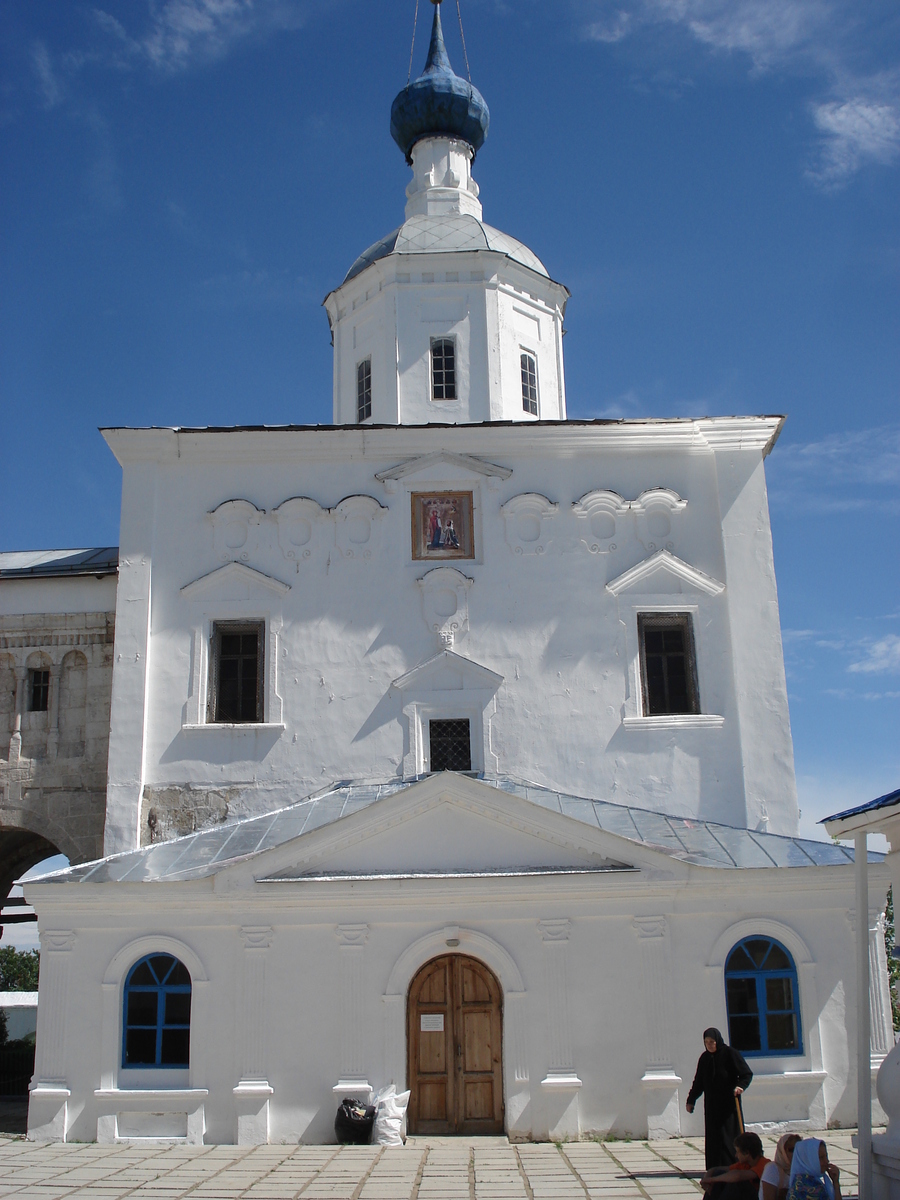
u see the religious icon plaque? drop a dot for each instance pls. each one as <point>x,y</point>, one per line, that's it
<point>442,526</point>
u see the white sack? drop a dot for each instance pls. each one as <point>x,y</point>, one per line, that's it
<point>390,1120</point>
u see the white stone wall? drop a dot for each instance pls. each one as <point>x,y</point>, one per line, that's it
<point>607,985</point>
<point>346,621</point>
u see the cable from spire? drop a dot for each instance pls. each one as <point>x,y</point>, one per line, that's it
<point>412,48</point>
<point>463,39</point>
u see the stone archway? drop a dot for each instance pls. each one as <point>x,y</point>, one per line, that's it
<point>20,850</point>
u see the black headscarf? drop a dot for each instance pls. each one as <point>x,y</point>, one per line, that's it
<point>719,1072</point>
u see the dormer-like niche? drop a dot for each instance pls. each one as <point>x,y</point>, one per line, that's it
<point>447,687</point>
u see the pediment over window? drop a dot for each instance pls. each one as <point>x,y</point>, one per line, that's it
<point>235,581</point>
<point>666,574</point>
<point>451,673</point>
<point>427,462</point>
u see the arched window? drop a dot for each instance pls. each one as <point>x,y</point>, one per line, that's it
<point>762,998</point>
<point>157,1015</point>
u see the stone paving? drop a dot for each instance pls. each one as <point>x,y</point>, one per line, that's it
<point>424,1169</point>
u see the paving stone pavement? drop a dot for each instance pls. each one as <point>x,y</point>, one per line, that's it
<point>424,1169</point>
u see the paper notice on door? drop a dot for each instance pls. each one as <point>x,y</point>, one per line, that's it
<point>431,1022</point>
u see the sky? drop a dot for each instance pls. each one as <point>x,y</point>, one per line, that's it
<point>716,181</point>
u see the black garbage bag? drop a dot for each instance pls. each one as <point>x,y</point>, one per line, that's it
<point>353,1122</point>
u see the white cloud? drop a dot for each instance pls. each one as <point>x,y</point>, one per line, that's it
<point>51,88</point>
<point>182,33</point>
<point>610,29</point>
<point>881,656</point>
<point>854,132</point>
<point>863,457</point>
<point>837,42</point>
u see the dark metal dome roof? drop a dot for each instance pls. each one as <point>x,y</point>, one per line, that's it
<point>439,103</point>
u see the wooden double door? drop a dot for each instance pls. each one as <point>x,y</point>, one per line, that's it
<point>454,1048</point>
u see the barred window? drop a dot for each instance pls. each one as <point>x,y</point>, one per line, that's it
<point>236,673</point>
<point>364,390</point>
<point>450,745</point>
<point>443,369</point>
<point>668,665</point>
<point>38,691</point>
<point>529,383</point>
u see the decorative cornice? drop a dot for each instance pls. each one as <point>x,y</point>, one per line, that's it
<point>352,935</point>
<point>257,937</point>
<point>323,443</point>
<point>556,930</point>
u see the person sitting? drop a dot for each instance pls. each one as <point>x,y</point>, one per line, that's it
<point>741,1180</point>
<point>813,1177</point>
<point>777,1175</point>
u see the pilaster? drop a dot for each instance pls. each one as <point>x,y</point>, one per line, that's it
<point>49,1093</point>
<point>352,941</point>
<point>561,1080</point>
<point>659,1081</point>
<point>253,1090</point>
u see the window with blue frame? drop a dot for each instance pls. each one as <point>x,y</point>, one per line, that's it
<point>762,998</point>
<point>157,1015</point>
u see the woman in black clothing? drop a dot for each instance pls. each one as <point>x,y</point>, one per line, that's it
<point>722,1075</point>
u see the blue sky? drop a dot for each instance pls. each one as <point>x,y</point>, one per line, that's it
<point>715,180</point>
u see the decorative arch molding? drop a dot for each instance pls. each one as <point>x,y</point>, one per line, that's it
<point>156,1081</point>
<point>468,941</point>
<point>759,927</point>
<point>123,959</point>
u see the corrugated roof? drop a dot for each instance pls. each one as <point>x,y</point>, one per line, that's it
<point>20,564</point>
<point>702,843</point>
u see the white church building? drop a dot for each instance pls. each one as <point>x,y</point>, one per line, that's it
<point>449,746</point>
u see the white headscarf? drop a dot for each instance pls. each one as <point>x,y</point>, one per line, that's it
<point>806,1162</point>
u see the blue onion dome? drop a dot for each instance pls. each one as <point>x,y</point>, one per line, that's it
<point>439,103</point>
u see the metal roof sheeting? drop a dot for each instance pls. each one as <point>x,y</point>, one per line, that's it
<point>24,564</point>
<point>702,843</point>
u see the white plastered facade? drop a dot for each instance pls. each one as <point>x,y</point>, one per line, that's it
<point>609,949</point>
<point>637,939</point>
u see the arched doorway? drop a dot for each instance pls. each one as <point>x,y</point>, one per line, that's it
<point>454,1048</point>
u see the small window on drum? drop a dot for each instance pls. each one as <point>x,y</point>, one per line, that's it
<point>364,390</point>
<point>443,369</point>
<point>529,383</point>
<point>762,998</point>
<point>157,1017</point>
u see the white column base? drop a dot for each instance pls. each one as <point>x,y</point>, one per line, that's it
<point>561,1105</point>
<point>48,1105</point>
<point>354,1087</point>
<point>663,1111</point>
<point>252,1101</point>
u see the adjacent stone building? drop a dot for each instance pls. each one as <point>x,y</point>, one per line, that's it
<point>57,627</point>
